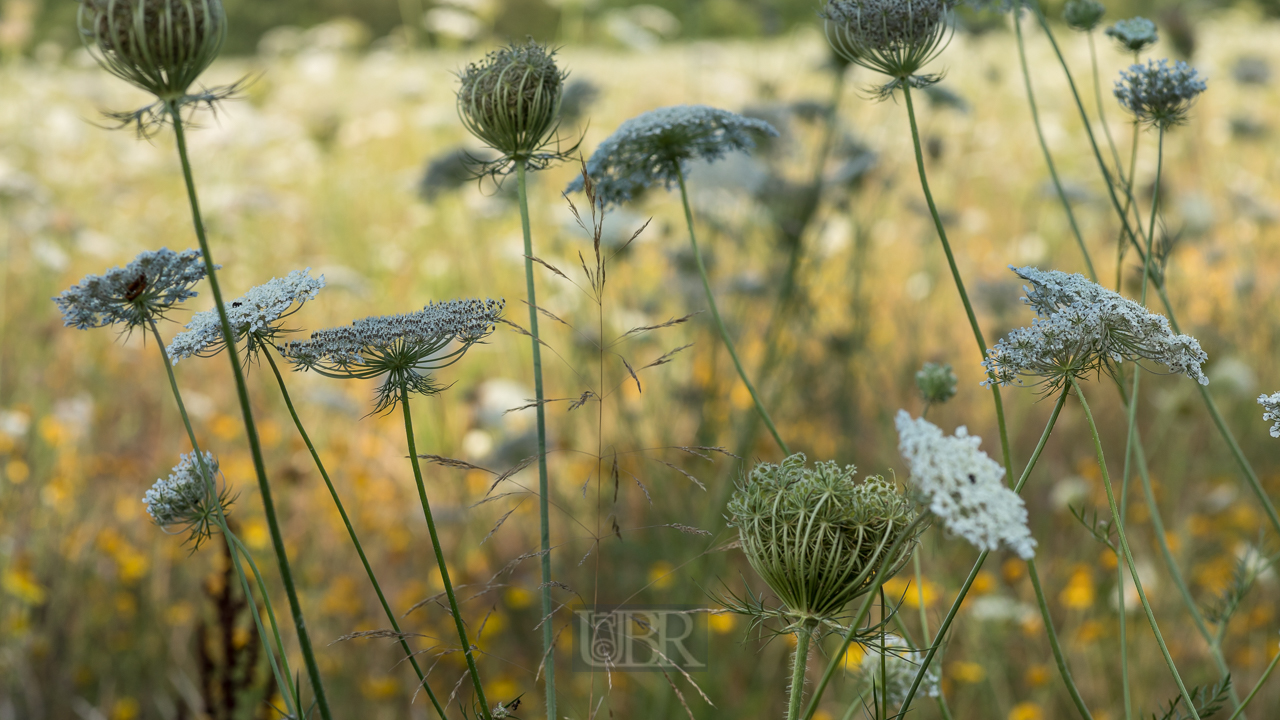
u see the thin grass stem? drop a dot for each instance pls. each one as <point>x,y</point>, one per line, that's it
<point>1239,713</point>
<point>1055,644</point>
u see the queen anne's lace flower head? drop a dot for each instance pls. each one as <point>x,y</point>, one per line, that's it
<point>817,535</point>
<point>1081,328</point>
<point>402,347</point>
<point>901,664</point>
<point>962,486</point>
<point>1135,34</point>
<point>937,383</point>
<point>652,148</point>
<point>1083,15</point>
<point>188,499</point>
<point>135,294</point>
<point>511,100</point>
<point>161,46</point>
<point>255,317</point>
<point>895,37</point>
<point>1158,93</point>
<point>1271,411</point>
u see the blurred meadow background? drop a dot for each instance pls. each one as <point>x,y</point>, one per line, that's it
<point>342,156</point>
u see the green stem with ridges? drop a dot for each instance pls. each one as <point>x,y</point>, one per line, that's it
<point>955,274</point>
<point>1128,552</point>
<point>435,544</point>
<point>1054,644</point>
<point>544,508</point>
<point>715,314</point>
<point>271,617</point>
<point>1102,113</point>
<point>1249,698</point>
<point>800,662</point>
<point>355,540</point>
<point>251,432</point>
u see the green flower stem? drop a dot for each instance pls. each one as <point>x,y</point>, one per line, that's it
<point>255,447</point>
<point>715,314</point>
<point>1249,698</point>
<point>884,661</point>
<point>1128,202</point>
<point>285,683</point>
<point>1128,553</point>
<point>467,647</point>
<point>982,558</point>
<point>1044,146</point>
<point>800,662</point>
<point>544,508</point>
<point>1056,646</point>
<point>355,540</point>
<point>271,617</point>
<point>955,274</point>
<point>1102,113</point>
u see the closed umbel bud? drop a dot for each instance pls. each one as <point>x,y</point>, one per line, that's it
<point>817,535</point>
<point>937,383</point>
<point>895,37</point>
<point>511,100</point>
<point>1084,15</point>
<point>161,46</point>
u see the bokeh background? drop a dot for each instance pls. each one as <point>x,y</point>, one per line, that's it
<point>341,156</point>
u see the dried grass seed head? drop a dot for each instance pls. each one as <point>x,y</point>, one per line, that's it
<point>189,499</point>
<point>402,347</point>
<point>653,148</point>
<point>894,37</point>
<point>1271,411</point>
<point>135,294</point>
<point>1083,15</point>
<point>161,46</point>
<point>254,317</point>
<point>817,535</point>
<point>1135,34</point>
<point>963,487</point>
<point>511,99</point>
<point>1158,93</point>
<point>937,383</point>
<point>1083,327</point>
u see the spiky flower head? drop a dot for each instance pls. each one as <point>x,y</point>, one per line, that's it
<point>962,486</point>
<point>511,101</point>
<point>937,383</point>
<point>655,147</point>
<point>402,347</point>
<point>1082,328</point>
<point>817,535</point>
<point>255,317</point>
<point>1084,15</point>
<point>1135,34</point>
<point>161,46</point>
<point>1271,411</point>
<point>135,294</point>
<point>901,664</point>
<point>189,499</point>
<point>1159,94</point>
<point>895,37</point>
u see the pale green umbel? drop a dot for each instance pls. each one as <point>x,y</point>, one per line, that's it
<point>161,46</point>
<point>817,535</point>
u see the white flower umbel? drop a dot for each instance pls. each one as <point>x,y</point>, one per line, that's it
<point>1081,329</point>
<point>1271,411</point>
<point>901,664</point>
<point>254,317</point>
<point>135,294</point>
<point>653,148</point>
<point>963,487</point>
<point>184,500</point>
<point>402,347</point>
<point>1158,93</point>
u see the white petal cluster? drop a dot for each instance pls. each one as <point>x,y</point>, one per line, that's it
<point>144,289</point>
<point>901,665</point>
<point>1159,93</point>
<point>963,486</point>
<point>651,149</point>
<point>180,498</point>
<point>1271,411</point>
<point>256,314</point>
<point>1083,326</point>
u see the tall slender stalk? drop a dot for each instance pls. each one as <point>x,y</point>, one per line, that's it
<point>461,627</point>
<point>1128,553</point>
<point>1044,146</point>
<point>544,508</point>
<point>715,314</point>
<point>251,432</point>
<point>1239,713</point>
<point>800,663</point>
<point>955,274</point>
<point>1055,644</point>
<point>355,540</point>
<point>284,682</point>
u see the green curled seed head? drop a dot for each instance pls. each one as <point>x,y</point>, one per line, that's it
<point>161,46</point>
<point>511,99</point>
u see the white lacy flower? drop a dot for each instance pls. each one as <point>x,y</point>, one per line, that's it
<point>901,664</point>
<point>963,486</point>
<point>1271,411</point>
<point>254,315</point>
<point>182,498</point>
<point>143,290</point>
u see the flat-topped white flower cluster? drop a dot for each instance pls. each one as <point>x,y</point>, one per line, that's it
<point>144,289</point>
<point>253,314</point>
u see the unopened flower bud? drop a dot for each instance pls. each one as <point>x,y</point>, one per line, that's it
<point>1084,15</point>
<point>1135,34</point>
<point>937,383</point>
<point>161,46</point>
<point>511,99</point>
